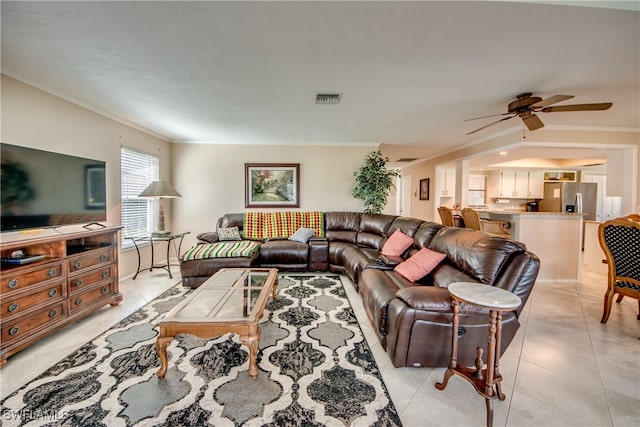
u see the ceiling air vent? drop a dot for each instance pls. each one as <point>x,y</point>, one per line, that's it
<point>328,98</point>
<point>406,159</point>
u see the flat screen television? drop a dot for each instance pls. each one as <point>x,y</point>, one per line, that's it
<point>44,189</point>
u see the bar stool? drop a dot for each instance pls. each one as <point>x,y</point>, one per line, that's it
<point>484,380</point>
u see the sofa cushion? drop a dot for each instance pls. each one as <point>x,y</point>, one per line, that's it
<point>283,252</point>
<point>336,252</point>
<point>373,230</point>
<point>425,233</point>
<point>475,252</point>
<point>396,244</point>
<point>231,220</point>
<point>342,226</point>
<point>419,265</point>
<point>408,226</point>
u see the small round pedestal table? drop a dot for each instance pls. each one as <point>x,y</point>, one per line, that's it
<point>484,379</point>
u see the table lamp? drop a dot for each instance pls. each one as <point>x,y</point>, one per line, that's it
<point>160,190</point>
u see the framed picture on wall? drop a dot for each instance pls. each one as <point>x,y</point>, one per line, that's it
<point>272,185</point>
<point>424,189</point>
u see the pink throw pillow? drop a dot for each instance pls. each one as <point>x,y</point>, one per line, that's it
<point>396,244</point>
<point>420,264</point>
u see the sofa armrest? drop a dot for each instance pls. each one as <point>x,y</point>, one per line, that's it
<point>429,298</point>
<point>208,237</point>
<point>318,254</point>
<point>434,298</point>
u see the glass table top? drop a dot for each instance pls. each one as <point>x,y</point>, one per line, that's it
<point>230,294</point>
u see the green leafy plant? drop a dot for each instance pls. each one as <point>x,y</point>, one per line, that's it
<point>373,182</point>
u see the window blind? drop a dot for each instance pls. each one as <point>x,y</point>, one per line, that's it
<point>139,215</point>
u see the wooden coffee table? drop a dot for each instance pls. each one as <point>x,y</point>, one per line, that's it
<point>231,301</point>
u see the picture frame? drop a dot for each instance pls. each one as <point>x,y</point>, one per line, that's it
<point>94,179</point>
<point>424,188</point>
<point>272,185</point>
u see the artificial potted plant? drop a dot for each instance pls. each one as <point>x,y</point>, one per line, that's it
<point>373,182</point>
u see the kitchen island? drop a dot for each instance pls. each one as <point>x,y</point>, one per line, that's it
<point>555,237</point>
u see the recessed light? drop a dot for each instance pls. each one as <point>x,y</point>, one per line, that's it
<point>503,153</point>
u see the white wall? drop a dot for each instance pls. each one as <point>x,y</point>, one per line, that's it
<point>211,180</point>
<point>36,119</point>
<point>209,177</point>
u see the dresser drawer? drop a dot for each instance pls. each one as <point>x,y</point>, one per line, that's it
<point>16,280</point>
<point>83,281</point>
<point>25,325</point>
<point>14,306</point>
<point>79,301</point>
<point>94,258</point>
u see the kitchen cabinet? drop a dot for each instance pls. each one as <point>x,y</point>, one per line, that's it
<point>536,185</point>
<point>521,184</point>
<point>448,179</point>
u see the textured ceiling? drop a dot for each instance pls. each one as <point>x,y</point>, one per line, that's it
<point>409,73</point>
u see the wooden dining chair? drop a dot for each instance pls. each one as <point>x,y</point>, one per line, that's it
<point>446,216</point>
<point>620,242</point>
<point>496,227</point>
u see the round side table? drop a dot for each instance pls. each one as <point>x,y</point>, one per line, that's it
<point>496,300</point>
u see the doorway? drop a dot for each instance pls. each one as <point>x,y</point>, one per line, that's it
<point>405,196</point>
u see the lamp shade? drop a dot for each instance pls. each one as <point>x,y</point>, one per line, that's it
<point>160,189</point>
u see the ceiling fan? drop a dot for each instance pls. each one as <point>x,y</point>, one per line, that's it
<point>526,105</point>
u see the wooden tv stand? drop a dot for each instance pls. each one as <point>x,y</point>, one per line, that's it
<point>77,276</point>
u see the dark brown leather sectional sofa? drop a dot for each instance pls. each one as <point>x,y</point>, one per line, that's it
<point>411,320</point>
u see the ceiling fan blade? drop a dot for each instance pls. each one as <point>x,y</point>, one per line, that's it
<point>551,100</point>
<point>490,124</point>
<point>578,107</point>
<point>533,122</point>
<point>485,117</point>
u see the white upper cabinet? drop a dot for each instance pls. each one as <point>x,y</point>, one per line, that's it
<point>449,183</point>
<point>536,185</point>
<point>521,184</point>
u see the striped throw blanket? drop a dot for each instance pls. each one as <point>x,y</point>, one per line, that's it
<point>280,225</point>
<point>241,248</point>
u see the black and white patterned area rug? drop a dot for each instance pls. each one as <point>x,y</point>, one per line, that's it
<point>315,369</point>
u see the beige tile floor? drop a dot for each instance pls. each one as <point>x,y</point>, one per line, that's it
<point>563,368</point>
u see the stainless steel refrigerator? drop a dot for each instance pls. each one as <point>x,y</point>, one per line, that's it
<point>581,197</point>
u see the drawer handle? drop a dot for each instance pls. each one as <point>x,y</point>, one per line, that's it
<point>13,307</point>
<point>79,283</point>
<point>104,274</point>
<point>53,293</point>
<point>78,264</point>
<point>79,301</point>
<point>104,290</point>
<point>13,283</point>
<point>103,257</point>
<point>53,313</point>
<point>52,272</point>
<point>14,331</point>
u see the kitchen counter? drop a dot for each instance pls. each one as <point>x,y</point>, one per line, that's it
<point>555,237</point>
<point>515,212</point>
